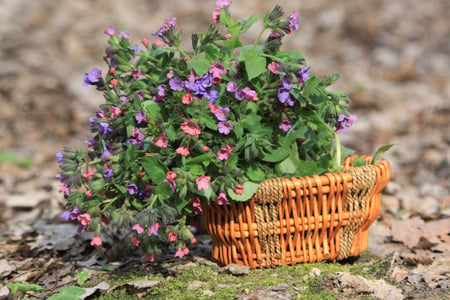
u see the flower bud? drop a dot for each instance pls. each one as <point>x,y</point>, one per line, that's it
<point>97,185</point>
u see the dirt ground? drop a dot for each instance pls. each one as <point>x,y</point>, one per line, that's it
<point>393,57</point>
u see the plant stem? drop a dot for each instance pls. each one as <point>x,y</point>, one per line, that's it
<point>338,150</point>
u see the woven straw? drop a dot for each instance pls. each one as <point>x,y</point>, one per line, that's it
<point>298,220</point>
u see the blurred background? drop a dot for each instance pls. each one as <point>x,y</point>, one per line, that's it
<point>393,57</point>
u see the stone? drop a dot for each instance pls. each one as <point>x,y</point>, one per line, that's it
<point>428,207</point>
<point>237,270</point>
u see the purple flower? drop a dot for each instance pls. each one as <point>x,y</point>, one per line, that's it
<point>285,125</point>
<point>145,193</point>
<point>176,84</point>
<point>222,3</point>
<point>110,30</point>
<point>232,87</point>
<point>91,142</point>
<point>303,74</point>
<point>293,21</point>
<point>106,154</point>
<point>225,127</point>
<point>160,31</point>
<point>221,113</point>
<point>140,117</point>
<point>104,128</point>
<point>161,91</point>
<point>93,77</point>
<point>239,95</point>
<point>283,95</point>
<point>132,189</point>
<point>123,99</point>
<point>136,73</point>
<point>206,80</point>
<point>212,95</point>
<point>286,83</point>
<point>59,157</point>
<point>171,22</point>
<point>123,34</point>
<point>153,229</point>
<point>136,49</point>
<point>344,122</point>
<point>108,174</point>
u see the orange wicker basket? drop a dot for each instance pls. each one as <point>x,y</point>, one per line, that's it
<point>297,220</point>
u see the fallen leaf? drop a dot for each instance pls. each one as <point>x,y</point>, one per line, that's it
<point>101,287</point>
<point>6,268</point>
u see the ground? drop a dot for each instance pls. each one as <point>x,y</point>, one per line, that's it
<point>394,63</point>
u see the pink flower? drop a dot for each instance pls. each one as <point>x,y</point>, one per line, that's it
<point>112,70</point>
<point>222,3</point>
<point>205,148</point>
<point>89,173</point>
<point>227,36</point>
<point>84,219</point>
<point>172,236</point>
<point>150,258</point>
<point>153,229</point>
<point>239,189</point>
<point>138,227</point>
<point>187,98</point>
<point>135,241</point>
<point>110,30</point>
<point>114,82</point>
<point>160,42</point>
<point>170,74</point>
<point>161,141</point>
<point>183,151</point>
<point>250,94</point>
<point>181,252</point>
<point>222,199</point>
<point>171,175</point>
<point>193,240</point>
<point>89,194</point>
<point>224,153</point>
<point>197,205</point>
<point>215,17</point>
<point>217,69</point>
<point>96,241</point>
<point>115,112</point>
<point>144,42</point>
<point>274,67</point>
<point>191,128</point>
<point>213,107</point>
<point>202,182</point>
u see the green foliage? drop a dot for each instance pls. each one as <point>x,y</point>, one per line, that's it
<point>68,293</point>
<point>22,287</point>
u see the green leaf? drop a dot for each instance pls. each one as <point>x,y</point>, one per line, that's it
<point>277,154</point>
<point>20,287</point>
<point>225,19</point>
<point>72,291</point>
<point>163,190</point>
<point>249,22</point>
<point>198,159</point>
<point>359,162</point>
<point>250,189</point>
<point>255,64</point>
<point>379,153</point>
<point>308,168</point>
<point>208,121</point>
<point>82,277</point>
<point>154,168</point>
<point>151,108</point>
<point>199,64</point>
<point>205,193</point>
<point>328,80</point>
<point>254,172</point>
<point>7,157</point>
<point>234,41</point>
<point>195,169</point>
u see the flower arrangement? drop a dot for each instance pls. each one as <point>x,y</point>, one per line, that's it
<point>180,128</point>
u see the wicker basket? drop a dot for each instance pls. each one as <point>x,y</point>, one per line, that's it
<point>296,220</point>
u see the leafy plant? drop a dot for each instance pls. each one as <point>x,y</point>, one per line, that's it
<point>181,128</point>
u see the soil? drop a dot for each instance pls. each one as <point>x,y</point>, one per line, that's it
<point>392,57</point>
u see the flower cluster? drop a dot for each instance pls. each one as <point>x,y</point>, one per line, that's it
<point>180,129</point>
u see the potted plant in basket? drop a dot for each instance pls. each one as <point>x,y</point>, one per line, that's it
<point>182,132</point>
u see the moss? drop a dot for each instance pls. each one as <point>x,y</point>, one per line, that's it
<point>227,286</point>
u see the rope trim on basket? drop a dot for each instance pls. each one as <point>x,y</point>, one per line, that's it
<point>267,207</point>
<point>364,179</point>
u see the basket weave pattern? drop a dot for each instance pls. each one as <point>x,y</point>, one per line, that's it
<point>297,220</point>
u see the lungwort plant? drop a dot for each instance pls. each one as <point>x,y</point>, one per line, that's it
<point>180,128</point>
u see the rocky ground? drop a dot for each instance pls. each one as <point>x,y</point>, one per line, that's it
<point>394,63</point>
